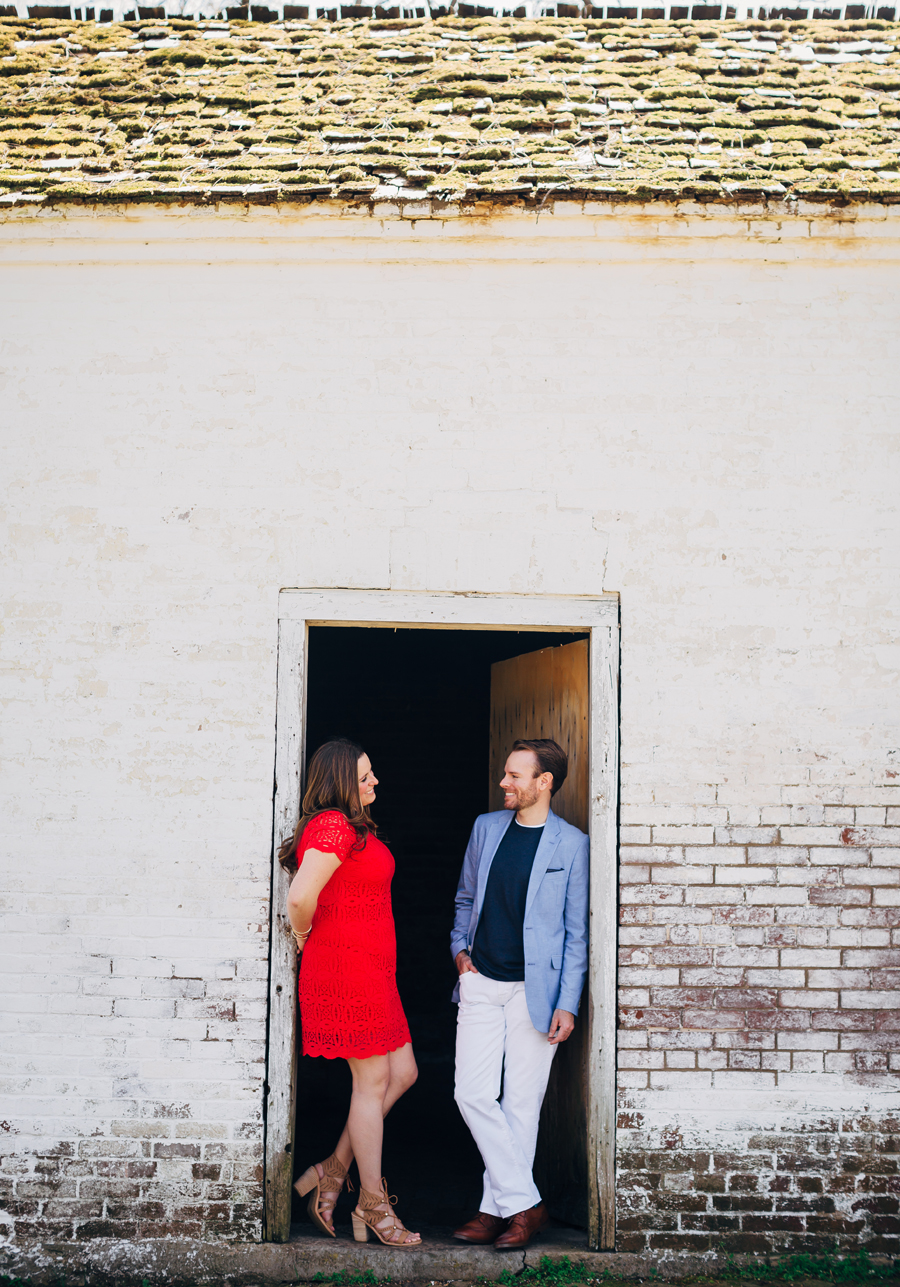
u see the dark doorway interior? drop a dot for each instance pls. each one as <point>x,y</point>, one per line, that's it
<point>419,702</point>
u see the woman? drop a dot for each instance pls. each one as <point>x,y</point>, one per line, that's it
<point>339,907</point>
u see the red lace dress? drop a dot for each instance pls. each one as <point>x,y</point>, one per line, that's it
<point>349,1003</point>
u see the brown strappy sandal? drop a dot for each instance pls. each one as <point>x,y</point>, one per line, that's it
<point>372,1210</point>
<point>320,1189</point>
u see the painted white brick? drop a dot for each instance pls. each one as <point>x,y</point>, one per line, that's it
<point>650,894</point>
<point>681,1080</point>
<point>843,857</point>
<point>744,875</point>
<point>775,1061</point>
<point>872,876</point>
<point>876,999</point>
<point>631,1039</point>
<point>809,999</point>
<point>838,978</point>
<point>760,957</point>
<point>634,996</point>
<point>702,854</point>
<point>532,467</point>
<point>809,876</point>
<point>641,1058</point>
<point>805,957</point>
<point>632,1080</point>
<point>655,976</point>
<point>808,1061</point>
<point>682,875</point>
<point>783,855</point>
<point>699,895</point>
<point>631,873</point>
<point>781,896</point>
<point>631,835</point>
<point>683,835</point>
<point>775,979</point>
<point>807,1040</point>
<point>680,1058</point>
<point>811,835</point>
<point>731,1080</point>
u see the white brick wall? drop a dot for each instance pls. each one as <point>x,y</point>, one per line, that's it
<point>201,409</point>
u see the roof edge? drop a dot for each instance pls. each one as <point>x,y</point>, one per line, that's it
<point>565,231</point>
<point>747,202</point>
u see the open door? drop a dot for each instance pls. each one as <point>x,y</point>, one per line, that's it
<point>547,694</point>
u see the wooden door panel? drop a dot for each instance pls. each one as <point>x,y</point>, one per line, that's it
<point>546,694</point>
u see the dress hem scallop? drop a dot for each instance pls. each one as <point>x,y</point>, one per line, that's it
<point>380,1049</point>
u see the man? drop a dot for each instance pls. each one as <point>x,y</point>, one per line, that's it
<point>520,945</point>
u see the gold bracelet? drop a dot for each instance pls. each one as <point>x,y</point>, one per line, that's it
<point>298,934</point>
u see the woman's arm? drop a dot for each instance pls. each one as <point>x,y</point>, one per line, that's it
<point>312,876</point>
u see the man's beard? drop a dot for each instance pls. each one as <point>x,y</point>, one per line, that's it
<point>524,799</point>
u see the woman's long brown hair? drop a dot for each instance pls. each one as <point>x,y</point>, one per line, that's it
<point>332,782</point>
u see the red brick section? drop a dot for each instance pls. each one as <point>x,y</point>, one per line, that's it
<point>828,1181</point>
<point>760,950</point>
<point>136,1186</point>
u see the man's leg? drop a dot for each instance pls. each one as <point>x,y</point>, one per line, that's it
<point>527,1059</point>
<point>480,1041</point>
<point>480,1030</point>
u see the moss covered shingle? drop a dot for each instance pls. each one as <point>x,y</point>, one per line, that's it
<point>486,109</point>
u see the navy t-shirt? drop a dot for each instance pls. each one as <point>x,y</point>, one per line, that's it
<point>499,950</point>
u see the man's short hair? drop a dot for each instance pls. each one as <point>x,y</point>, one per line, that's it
<point>550,756</point>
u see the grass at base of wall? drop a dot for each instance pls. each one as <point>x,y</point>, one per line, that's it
<point>801,1269</point>
<point>826,1268</point>
<point>796,1268</point>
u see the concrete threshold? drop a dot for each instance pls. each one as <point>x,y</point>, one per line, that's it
<point>103,1262</point>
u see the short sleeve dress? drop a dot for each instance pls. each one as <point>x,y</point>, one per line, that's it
<point>349,1004</point>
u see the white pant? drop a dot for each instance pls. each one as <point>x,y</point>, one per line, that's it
<point>495,1036</point>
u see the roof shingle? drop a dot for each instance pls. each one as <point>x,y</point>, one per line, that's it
<point>490,109</point>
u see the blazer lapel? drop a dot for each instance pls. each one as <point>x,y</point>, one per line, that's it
<point>545,850</point>
<point>492,844</point>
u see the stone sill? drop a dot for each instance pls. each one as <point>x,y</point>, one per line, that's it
<point>183,1263</point>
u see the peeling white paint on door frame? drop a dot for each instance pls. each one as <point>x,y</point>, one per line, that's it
<point>298,610</point>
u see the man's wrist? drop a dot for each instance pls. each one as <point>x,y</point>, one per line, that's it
<point>464,962</point>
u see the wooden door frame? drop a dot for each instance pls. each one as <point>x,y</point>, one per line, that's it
<point>599,617</point>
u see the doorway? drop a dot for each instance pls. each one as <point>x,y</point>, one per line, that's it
<point>419,702</point>
<point>415,690</point>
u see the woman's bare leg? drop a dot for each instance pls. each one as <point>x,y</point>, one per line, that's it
<point>372,1084</point>
<point>403,1074</point>
<point>365,1123</point>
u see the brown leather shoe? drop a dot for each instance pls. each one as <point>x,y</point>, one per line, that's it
<point>482,1229</point>
<point>522,1228</point>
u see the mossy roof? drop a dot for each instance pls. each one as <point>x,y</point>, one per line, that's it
<point>490,109</point>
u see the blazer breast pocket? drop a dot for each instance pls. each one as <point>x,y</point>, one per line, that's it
<point>552,892</point>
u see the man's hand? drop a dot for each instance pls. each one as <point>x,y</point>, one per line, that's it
<point>464,963</point>
<point>562,1025</point>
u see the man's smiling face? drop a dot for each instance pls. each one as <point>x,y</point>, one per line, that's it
<point>522,780</point>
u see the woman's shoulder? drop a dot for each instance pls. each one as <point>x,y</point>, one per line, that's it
<point>329,832</point>
<point>331,820</point>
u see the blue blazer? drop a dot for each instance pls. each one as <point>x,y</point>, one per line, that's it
<point>556,911</point>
